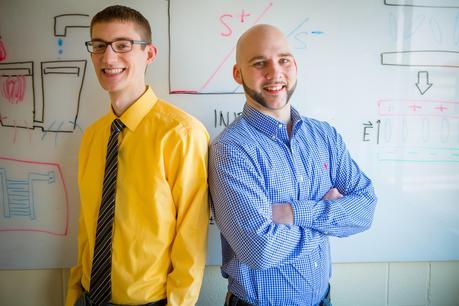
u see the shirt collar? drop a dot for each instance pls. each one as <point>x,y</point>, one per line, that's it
<point>296,119</point>
<point>138,110</point>
<point>268,125</point>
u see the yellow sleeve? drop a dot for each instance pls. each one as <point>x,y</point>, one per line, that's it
<point>74,289</point>
<point>187,176</point>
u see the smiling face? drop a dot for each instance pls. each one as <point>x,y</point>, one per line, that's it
<point>121,74</point>
<point>266,69</point>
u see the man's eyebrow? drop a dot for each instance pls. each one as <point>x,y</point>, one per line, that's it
<point>285,54</point>
<point>261,57</point>
<point>117,38</point>
<point>256,58</point>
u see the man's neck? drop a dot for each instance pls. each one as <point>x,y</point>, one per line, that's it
<point>121,101</point>
<point>282,115</point>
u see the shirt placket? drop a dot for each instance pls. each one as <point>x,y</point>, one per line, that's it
<point>299,170</point>
<point>291,150</point>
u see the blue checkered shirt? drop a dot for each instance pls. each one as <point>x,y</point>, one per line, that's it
<point>253,164</point>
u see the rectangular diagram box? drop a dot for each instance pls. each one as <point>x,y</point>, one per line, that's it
<point>419,131</point>
<point>421,58</point>
<point>33,197</point>
<point>424,3</point>
<point>17,98</point>
<point>61,79</point>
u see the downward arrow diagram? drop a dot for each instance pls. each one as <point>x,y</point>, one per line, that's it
<point>423,84</point>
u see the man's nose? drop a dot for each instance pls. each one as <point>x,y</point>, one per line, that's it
<point>273,71</point>
<point>109,54</point>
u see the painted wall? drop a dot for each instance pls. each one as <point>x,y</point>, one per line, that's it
<point>358,284</point>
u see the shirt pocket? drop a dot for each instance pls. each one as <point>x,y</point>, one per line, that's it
<point>280,182</point>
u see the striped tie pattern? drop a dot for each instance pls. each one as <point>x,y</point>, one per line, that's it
<point>100,288</point>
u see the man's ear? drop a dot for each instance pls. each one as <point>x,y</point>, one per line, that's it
<point>237,76</point>
<point>151,53</point>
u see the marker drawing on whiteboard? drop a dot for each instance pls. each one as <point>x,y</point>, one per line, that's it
<point>2,50</point>
<point>206,83</point>
<point>23,207</point>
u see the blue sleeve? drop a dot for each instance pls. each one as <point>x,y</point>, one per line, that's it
<point>244,216</point>
<point>346,216</point>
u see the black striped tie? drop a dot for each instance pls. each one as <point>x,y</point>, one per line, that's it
<point>100,288</point>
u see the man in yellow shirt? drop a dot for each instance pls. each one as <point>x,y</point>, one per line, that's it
<point>159,232</point>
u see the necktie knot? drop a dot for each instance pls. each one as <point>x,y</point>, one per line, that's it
<point>117,126</point>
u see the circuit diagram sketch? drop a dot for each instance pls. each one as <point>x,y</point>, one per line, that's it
<point>25,203</point>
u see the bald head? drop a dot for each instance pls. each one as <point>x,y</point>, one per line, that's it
<point>266,69</point>
<point>259,37</point>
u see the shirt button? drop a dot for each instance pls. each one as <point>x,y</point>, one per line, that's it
<point>300,178</point>
<point>280,125</point>
<point>315,264</point>
<point>273,137</point>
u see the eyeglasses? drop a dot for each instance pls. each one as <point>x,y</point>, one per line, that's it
<point>119,46</point>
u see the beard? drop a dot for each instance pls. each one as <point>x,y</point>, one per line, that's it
<point>258,97</point>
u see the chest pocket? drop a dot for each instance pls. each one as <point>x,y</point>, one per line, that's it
<point>316,164</point>
<point>280,181</point>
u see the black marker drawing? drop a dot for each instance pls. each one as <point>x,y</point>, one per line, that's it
<point>222,118</point>
<point>423,84</point>
<point>412,26</point>
<point>421,58</point>
<point>424,3</point>
<point>17,99</point>
<point>60,115</point>
<point>68,21</point>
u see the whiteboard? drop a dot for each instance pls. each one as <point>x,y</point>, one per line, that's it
<point>384,73</point>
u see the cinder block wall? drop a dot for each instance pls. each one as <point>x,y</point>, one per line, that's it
<point>356,284</point>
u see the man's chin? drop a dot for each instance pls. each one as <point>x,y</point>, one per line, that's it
<point>274,103</point>
<point>273,106</point>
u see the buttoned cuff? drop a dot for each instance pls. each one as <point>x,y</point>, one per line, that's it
<point>302,213</point>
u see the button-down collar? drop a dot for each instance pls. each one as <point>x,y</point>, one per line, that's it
<point>269,126</point>
<point>138,110</point>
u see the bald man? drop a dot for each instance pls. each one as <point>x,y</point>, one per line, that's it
<point>281,184</point>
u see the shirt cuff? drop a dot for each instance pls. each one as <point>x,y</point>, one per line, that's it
<point>302,214</point>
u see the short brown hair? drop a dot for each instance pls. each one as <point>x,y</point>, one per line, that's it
<point>124,14</point>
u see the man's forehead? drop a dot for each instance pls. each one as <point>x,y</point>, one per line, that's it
<point>265,49</point>
<point>261,40</point>
<point>122,28</point>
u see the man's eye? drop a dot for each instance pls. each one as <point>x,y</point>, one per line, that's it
<point>258,64</point>
<point>284,61</point>
<point>98,45</point>
<point>123,45</point>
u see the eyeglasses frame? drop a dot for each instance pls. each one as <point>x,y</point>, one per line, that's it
<point>109,43</point>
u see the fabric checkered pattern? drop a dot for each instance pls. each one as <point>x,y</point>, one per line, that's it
<point>253,164</point>
<point>100,287</point>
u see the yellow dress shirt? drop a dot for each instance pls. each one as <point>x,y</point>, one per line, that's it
<point>161,214</point>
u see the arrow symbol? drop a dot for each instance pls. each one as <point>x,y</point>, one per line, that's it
<point>423,84</point>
